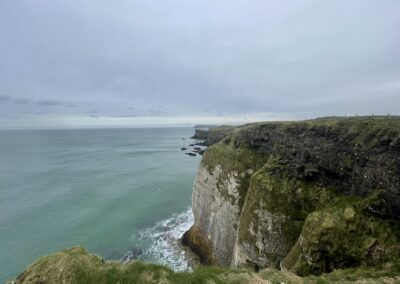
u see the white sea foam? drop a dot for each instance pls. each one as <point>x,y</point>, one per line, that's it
<point>161,243</point>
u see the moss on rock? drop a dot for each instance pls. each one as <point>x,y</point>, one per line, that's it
<point>274,212</point>
<point>237,162</point>
<point>343,236</point>
<point>357,156</point>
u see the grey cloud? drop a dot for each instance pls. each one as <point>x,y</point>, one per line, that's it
<point>14,117</point>
<point>22,101</point>
<point>130,58</point>
<point>48,103</point>
<point>125,115</point>
<point>43,102</point>
<point>35,112</point>
<point>143,113</point>
<point>4,99</point>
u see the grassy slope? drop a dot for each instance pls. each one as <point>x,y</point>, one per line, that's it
<point>75,265</point>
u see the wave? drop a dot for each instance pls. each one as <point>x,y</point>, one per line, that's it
<point>161,243</point>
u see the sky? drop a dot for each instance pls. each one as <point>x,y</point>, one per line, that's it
<point>95,63</point>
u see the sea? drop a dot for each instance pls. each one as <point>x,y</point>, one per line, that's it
<point>122,194</point>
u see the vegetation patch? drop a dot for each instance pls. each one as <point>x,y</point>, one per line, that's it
<point>275,209</point>
<point>76,266</point>
<point>343,236</point>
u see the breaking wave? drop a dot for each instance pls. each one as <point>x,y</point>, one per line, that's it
<point>161,243</point>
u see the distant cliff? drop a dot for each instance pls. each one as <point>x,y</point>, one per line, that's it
<point>212,135</point>
<point>200,134</point>
<point>308,197</point>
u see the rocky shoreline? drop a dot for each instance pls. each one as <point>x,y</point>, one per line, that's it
<point>205,138</point>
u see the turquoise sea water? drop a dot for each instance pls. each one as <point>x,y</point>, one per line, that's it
<point>109,190</point>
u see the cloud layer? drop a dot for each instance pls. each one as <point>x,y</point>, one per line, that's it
<point>188,61</point>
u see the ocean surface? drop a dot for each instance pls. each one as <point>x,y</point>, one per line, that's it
<point>120,193</point>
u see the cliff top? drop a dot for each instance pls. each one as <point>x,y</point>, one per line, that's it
<point>376,133</point>
<point>212,126</point>
<point>392,122</point>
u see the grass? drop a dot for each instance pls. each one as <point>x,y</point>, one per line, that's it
<point>76,266</point>
<point>365,131</point>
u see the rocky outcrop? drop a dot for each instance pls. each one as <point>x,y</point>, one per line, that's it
<point>282,194</point>
<point>217,134</point>
<point>201,134</point>
<point>212,135</point>
<point>342,236</point>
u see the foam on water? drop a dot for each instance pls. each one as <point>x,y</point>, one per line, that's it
<point>161,243</point>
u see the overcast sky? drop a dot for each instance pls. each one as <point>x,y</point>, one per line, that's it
<point>97,63</point>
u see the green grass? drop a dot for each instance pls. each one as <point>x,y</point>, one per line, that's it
<point>76,266</point>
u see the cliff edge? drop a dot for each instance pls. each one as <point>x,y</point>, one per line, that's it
<point>307,197</point>
<point>76,266</point>
<point>213,134</point>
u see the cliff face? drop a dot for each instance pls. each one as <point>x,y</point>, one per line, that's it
<point>212,135</point>
<point>217,134</point>
<point>356,156</point>
<point>218,196</point>
<point>284,194</point>
<point>200,134</point>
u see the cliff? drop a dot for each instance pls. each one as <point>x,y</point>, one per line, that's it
<point>200,134</point>
<point>294,202</point>
<point>308,197</point>
<point>212,135</point>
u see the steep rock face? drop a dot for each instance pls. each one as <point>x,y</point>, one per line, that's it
<point>212,135</point>
<point>217,134</point>
<point>200,134</point>
<point>256,191</point>
<point>273,215</point>
<point>219,218</point>
<point>218,197</point>
<point>355,155</point>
